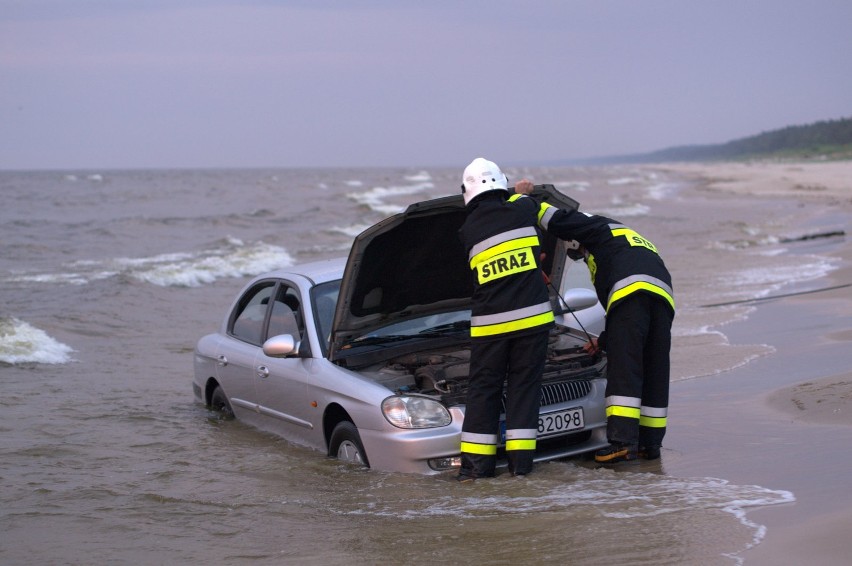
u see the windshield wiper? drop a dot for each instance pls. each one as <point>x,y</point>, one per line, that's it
<point>444,329</point>
<point>375,340</point>
<point>434,332</point>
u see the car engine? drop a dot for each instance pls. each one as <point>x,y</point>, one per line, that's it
<point>446,373</point>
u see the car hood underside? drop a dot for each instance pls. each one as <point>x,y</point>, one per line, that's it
<point>413,264</point>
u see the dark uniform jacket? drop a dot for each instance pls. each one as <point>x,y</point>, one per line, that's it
<point>501,239</point>
<point>620,260</point>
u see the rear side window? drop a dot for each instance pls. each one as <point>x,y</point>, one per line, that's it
<point>250,314</point>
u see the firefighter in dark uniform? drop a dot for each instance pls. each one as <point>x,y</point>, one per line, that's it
<point>635,288</point>
<point>510,321</point>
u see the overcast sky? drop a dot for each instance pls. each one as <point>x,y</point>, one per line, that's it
<point>245,83</point>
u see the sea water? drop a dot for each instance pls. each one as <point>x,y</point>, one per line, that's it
<point>108,278</point>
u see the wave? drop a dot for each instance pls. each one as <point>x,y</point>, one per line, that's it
<point>572,186</point>
<point>95,177</point>
<point>603,498</point>
<point>22,343</point>
<point>624,210</point>
<point>351,231</point>
<point>753,237</point>
<point>421,177</point>
<point>374,199</point>
<point>623,181</point>
<point>661,191</point>
<point>230,258</point>
<point>763,280</point>
<point>615,495</point>
<point>194,270</point>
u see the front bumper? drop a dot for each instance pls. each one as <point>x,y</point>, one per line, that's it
<point>436,450</point>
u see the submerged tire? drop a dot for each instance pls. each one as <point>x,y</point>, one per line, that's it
<point>219,403</point>
<point>345,445</point>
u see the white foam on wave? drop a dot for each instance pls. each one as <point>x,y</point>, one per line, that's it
<point>768,279</point>
<point>375,198</point>
<point>421,177</point>
<point>66,278</point>
<point>755,237</point>
<point>660,191</point>
<point>350,231</point>
<point>573,186</point>
<point>624,210</point>
<point>744,243</point>
<point>623,181</point>
<point>22,343</point>
<point>231,258</point>
<point>194,270</point>
<point>616,496</point>
<point>340,250</point>
<point>566,488</point>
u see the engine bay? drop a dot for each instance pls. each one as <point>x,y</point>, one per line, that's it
<point>445,373</point>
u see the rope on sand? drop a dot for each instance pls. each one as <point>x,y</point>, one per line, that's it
<point>777,296</point>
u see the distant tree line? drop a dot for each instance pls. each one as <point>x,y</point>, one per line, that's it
<point>827,139</point>
<point>812,136</point>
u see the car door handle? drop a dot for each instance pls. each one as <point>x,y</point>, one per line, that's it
<point>262,371</point>
<point>222,361</point>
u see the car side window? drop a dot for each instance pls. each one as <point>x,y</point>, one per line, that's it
<point>286,315</point>
<point>251,313</point>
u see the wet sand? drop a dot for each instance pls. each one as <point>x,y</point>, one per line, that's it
<point>783,421</point>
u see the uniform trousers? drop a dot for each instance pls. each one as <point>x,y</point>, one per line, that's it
<point>638,342</point>
<point>518,362</point>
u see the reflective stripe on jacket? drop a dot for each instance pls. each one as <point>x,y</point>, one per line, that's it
<point>620,260</point>
<point>501,238</point>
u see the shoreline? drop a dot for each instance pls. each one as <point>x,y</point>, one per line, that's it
<point>782,420</point>
<point>827,181</point>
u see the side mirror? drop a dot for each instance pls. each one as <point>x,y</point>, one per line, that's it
<point>281,346</point>
<point>577,299</point>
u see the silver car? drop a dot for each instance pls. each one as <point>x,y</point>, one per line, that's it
<point>367,358</point>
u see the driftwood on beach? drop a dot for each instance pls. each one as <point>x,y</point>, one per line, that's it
<point>818,235</point>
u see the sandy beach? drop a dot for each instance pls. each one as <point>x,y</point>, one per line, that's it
<point>783,420</point>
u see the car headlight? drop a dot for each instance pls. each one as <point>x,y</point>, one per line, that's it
<point>410,411</point>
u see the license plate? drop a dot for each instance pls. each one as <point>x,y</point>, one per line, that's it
<point>550,424</point>
<point>560,421</point>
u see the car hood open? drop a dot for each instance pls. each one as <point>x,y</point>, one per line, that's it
<point>413,264</point>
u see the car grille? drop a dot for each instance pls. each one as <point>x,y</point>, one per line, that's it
<point>561,392</point>
<point>553,393</point>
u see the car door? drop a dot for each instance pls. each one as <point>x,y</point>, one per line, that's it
<point>237,356</point>
<point>282,383</point>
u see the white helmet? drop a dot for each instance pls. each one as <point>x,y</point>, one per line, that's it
<point>481,176</point>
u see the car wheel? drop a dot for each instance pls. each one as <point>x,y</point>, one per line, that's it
<point>345,445</point>
<point>219,402</point>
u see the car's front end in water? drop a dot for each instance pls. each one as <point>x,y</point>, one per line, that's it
<point>367,359</point>
<point>572,415</point>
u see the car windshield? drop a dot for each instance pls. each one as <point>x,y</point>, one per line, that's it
<point>443,323</point>
<point>454,325</point>
<point>325,297</point>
